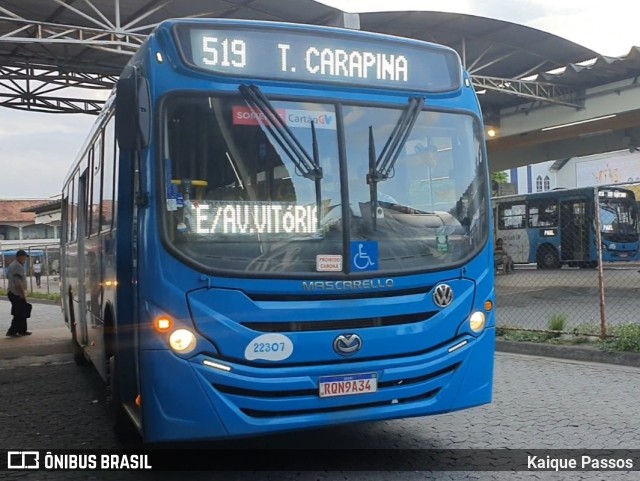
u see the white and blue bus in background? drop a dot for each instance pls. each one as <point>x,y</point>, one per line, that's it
<point>9,255</point>
<point>291,231</point>
<point>558,227</point>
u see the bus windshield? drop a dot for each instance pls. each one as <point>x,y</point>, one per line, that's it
<point>245,191</point>
<point>618,217</point>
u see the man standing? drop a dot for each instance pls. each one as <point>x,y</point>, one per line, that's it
<point>18,295</point>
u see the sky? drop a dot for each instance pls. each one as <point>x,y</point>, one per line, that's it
<point>37,149</point>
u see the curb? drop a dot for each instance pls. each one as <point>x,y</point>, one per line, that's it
<point>51,302</point>
<point>575,353</point>
<point>43,342</point>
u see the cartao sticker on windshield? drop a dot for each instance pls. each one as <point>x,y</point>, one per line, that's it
<point>243,115</point>
<point>270,347</point>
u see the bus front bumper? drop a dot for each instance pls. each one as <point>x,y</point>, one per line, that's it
<point>187,400</point>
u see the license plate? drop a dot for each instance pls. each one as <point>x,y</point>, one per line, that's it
<point>331,386</point>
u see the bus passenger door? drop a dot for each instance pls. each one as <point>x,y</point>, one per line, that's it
<point>574,230</point>
<point>80,309</point>
<point>64,274</point>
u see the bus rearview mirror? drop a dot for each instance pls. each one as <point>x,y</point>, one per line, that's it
<point>133,110</point>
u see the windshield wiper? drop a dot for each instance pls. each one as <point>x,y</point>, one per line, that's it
<point>306,166</point>
<point>380,168</point>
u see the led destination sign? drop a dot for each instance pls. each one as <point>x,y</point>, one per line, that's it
<point>319,56</point>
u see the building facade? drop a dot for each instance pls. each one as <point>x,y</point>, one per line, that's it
<point>26,223</point>
<point>620,167</point>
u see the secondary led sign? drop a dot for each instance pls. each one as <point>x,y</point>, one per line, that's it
<point>614,194</point>
<point>255,218</point>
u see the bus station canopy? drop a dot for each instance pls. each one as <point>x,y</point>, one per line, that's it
<point>98,36</point>
<point>47,47</point>
<point>86,44</point>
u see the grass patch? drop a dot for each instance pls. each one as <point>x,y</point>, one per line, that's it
<point>36,295</point>
<point>555,327</point>
<point>588,330</point>
<point>542,336</point>
<point>557,322</point>
<point>525,336</point>
<point>625,337</point>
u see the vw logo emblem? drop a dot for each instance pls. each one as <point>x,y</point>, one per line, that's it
<point>443,295</point>
<point>347,344</point>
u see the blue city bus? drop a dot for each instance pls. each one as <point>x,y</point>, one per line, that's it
<point>558,227</point>
<point>274,227</point>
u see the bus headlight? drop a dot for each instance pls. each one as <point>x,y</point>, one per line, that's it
<point>183,341</point>
<point>612,246</point>
<point>477,321</point>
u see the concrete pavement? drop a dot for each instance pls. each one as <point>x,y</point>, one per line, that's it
<point>539,403</point>
<point>51,337</point>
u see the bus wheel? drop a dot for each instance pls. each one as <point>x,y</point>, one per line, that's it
<point>548,258</point>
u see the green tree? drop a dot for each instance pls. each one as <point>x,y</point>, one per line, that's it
<point>497,178</point>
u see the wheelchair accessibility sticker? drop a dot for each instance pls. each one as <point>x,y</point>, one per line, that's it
<point>364,256</point>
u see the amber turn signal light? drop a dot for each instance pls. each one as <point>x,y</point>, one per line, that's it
<point>163,324</point>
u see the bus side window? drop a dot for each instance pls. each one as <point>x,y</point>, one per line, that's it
<point>543,213</point>
<point>511,216</point>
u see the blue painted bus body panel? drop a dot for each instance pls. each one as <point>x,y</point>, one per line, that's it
<point>186,400</point>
